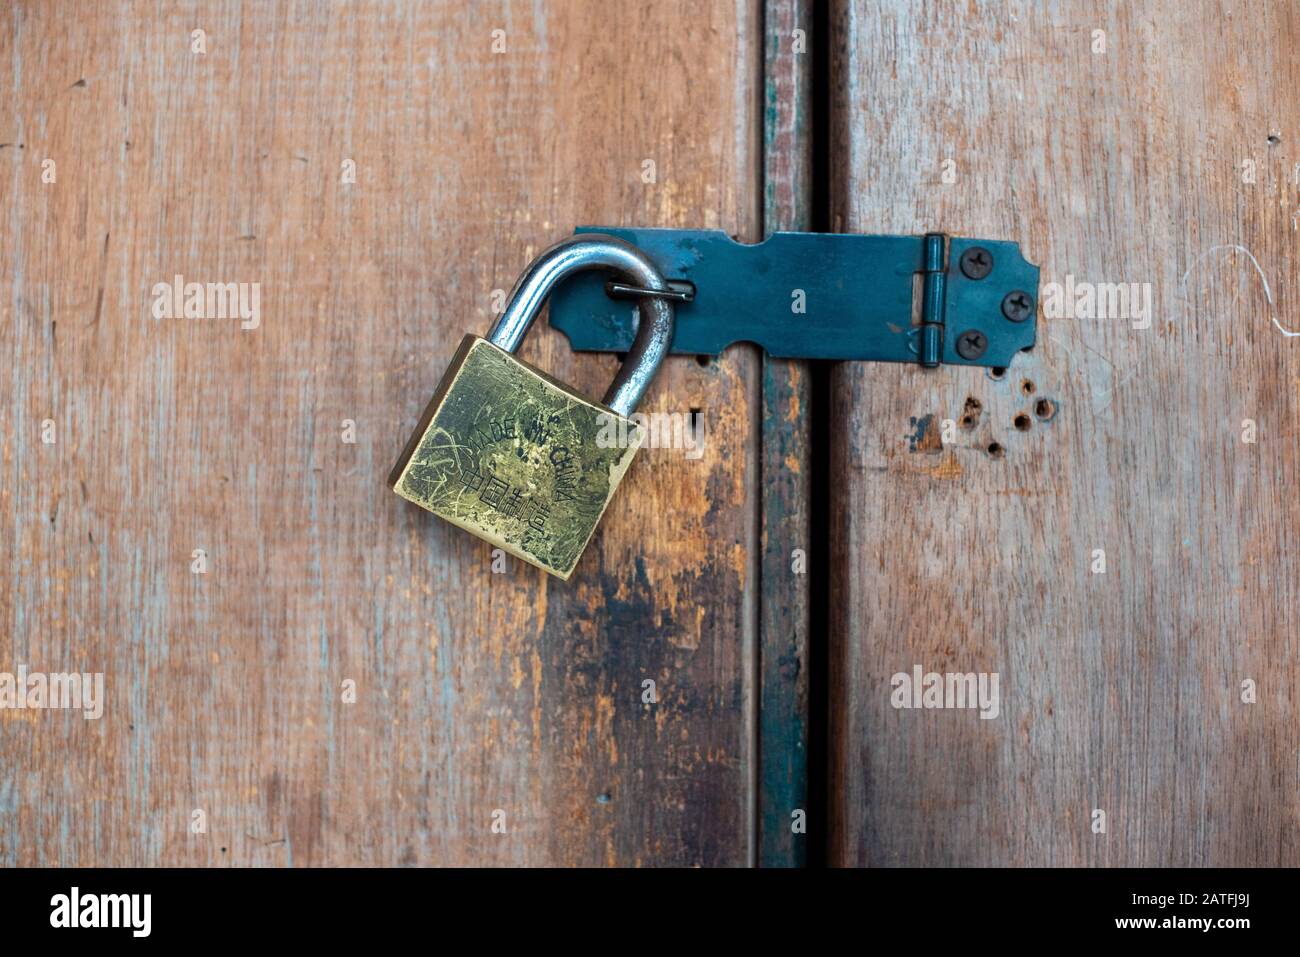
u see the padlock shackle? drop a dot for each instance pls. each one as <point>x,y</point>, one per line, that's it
<point>654,334</point>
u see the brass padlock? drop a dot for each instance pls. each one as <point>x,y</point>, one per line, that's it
<point>507,452</point>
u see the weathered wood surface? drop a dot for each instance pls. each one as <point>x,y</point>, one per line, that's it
<point>475,691</point>
<point>1120,691</point>
<point>787,566</point>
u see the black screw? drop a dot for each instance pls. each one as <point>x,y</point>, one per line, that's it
<point>976,262</point>
<point>1017,306</point>
<point>971,344</point>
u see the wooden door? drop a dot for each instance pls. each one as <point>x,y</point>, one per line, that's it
<point>301,669</point>
<point>1141,142</point>
<point>207,522</point>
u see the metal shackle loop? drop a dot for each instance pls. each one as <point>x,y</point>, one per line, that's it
<point>654,333</point>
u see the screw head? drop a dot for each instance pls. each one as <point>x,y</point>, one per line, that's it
<point>976,262</point>
<point>971,344</point>
<point>1017,305</point>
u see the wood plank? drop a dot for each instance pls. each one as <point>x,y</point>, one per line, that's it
<point>786,458</point>
<point>476,691</point>
<point>1122,691</point>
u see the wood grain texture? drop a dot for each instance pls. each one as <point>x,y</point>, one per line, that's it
<point>1119,691</point>
<point>786,456</point>
<point>475,691</point>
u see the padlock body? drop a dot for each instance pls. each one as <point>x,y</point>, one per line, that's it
<point>507,452</point>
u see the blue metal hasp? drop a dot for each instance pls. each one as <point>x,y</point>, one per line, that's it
<point>928,299</point>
